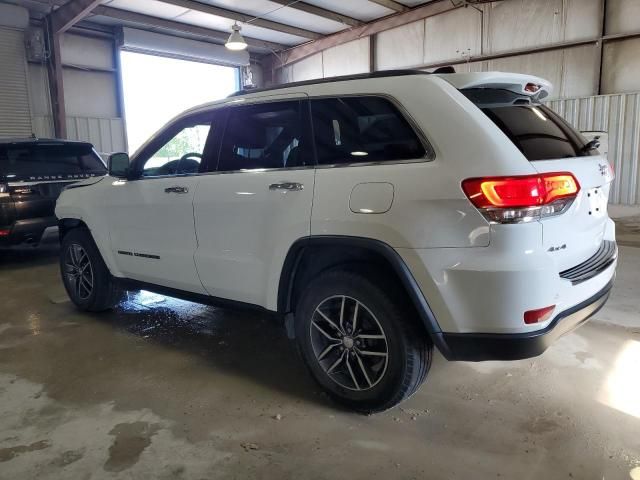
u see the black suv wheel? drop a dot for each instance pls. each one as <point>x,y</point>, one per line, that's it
<point>85,275</point>
<point>360,342</point>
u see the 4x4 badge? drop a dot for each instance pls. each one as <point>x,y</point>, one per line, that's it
<point>603,169</point>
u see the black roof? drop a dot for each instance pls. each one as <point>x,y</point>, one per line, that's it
<point>40,141</point>
<point>343,78</point>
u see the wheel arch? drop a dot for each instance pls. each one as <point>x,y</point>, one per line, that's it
<point>65,225</point>
<point>310,256</point>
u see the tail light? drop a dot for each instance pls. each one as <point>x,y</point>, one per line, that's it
<point>4,232</point>
<point>532,87</point>
<point>522,198</point>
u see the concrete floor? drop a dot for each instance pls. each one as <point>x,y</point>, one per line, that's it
<point>164,389</point>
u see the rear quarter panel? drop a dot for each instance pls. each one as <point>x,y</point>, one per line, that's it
<point>429,208</point>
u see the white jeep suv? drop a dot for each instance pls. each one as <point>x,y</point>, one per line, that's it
<point>379,214</point>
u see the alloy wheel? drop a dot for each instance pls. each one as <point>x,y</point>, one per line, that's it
<point>349,343</point>
<point>79,271</point>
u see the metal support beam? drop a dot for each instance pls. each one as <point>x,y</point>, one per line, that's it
<point>391,4</point>
<point>372,53</point>
<point>600,46</point>
<point>71,13</point>
<point>241,17</point>
<point>160,23</point>
<point>56,87</point>
<point>320,12</point>
<point>392,21</point>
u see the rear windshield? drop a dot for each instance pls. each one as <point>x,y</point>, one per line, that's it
<point>49,162</point>
<point>537,131</point>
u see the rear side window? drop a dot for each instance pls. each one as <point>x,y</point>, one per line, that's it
<point>537,131</point>
<point>362,129</point>
<point>54,161</point>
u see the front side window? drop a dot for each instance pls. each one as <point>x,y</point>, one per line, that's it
<point>268,135</point>
<point>362,129</point>
<point>182,154</point>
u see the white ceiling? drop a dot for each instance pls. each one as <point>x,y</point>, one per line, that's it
<point>363,10</point>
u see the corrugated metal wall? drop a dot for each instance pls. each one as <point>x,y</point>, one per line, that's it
<point>15,117</point>
<point>106,134</point>
<point>619,115</point>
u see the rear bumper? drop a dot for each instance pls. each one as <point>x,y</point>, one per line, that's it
<point>28,231</point>
<point>476,347</point>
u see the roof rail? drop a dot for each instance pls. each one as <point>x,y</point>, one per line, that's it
<point>343,78</point>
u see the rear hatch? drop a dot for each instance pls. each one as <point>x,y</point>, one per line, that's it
<point>552,145</point>
<point>35,173</point>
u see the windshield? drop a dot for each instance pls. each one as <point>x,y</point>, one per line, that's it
<point>49,161</point>
<point>537,131</point>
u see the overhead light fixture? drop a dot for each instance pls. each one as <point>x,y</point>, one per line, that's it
<point>236,41</point>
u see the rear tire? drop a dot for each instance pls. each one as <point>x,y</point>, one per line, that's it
<point>86,278</point>
<point>370,368</point>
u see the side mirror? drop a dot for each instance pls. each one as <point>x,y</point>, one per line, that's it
<point>119,165</point>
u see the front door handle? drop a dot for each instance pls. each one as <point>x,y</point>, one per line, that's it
<point>176,189</point>
<point>286,186</point>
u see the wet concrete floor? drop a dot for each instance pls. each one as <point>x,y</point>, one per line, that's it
<point>166,389</point>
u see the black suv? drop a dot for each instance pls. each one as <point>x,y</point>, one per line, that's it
<point>33,172</point>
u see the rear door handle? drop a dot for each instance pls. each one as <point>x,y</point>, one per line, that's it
<point>176,189</point>
<point>286,186</point>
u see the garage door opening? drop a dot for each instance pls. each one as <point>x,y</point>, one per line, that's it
<point>158,88</point>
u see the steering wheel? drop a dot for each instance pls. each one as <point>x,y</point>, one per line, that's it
<point>185,166</point>
<point>190,155</point>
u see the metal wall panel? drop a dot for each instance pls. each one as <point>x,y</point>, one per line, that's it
<point>619,115</point>
<point>621,66</point>
<point>43,126</point>
<point>622,16</point>
<point>38,83</point>
<point>452,35</point>
<point>400,47</point>
<point>90,94</point>
<point>106,134</point>
<point>307,69</point>
<point>583,19</point>
<point>346,59</point>
<point>86,51</point>
<point>520,24</point>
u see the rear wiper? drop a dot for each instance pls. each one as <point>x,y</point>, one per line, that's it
<point>591,145</point>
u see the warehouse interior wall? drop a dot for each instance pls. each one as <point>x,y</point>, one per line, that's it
<point>555,39</point>
<point>92,104</point>
<point>93,96</point>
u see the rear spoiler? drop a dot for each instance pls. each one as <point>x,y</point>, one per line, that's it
<point>535,87</point>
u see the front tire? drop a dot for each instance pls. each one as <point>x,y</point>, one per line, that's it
<point>360,342</point>
<point>85,276</point>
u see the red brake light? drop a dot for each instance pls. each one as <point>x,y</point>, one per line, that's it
<point>521,191</point>
<point>539,315</point>
<point>4,232</point>
<point>532,87</point>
